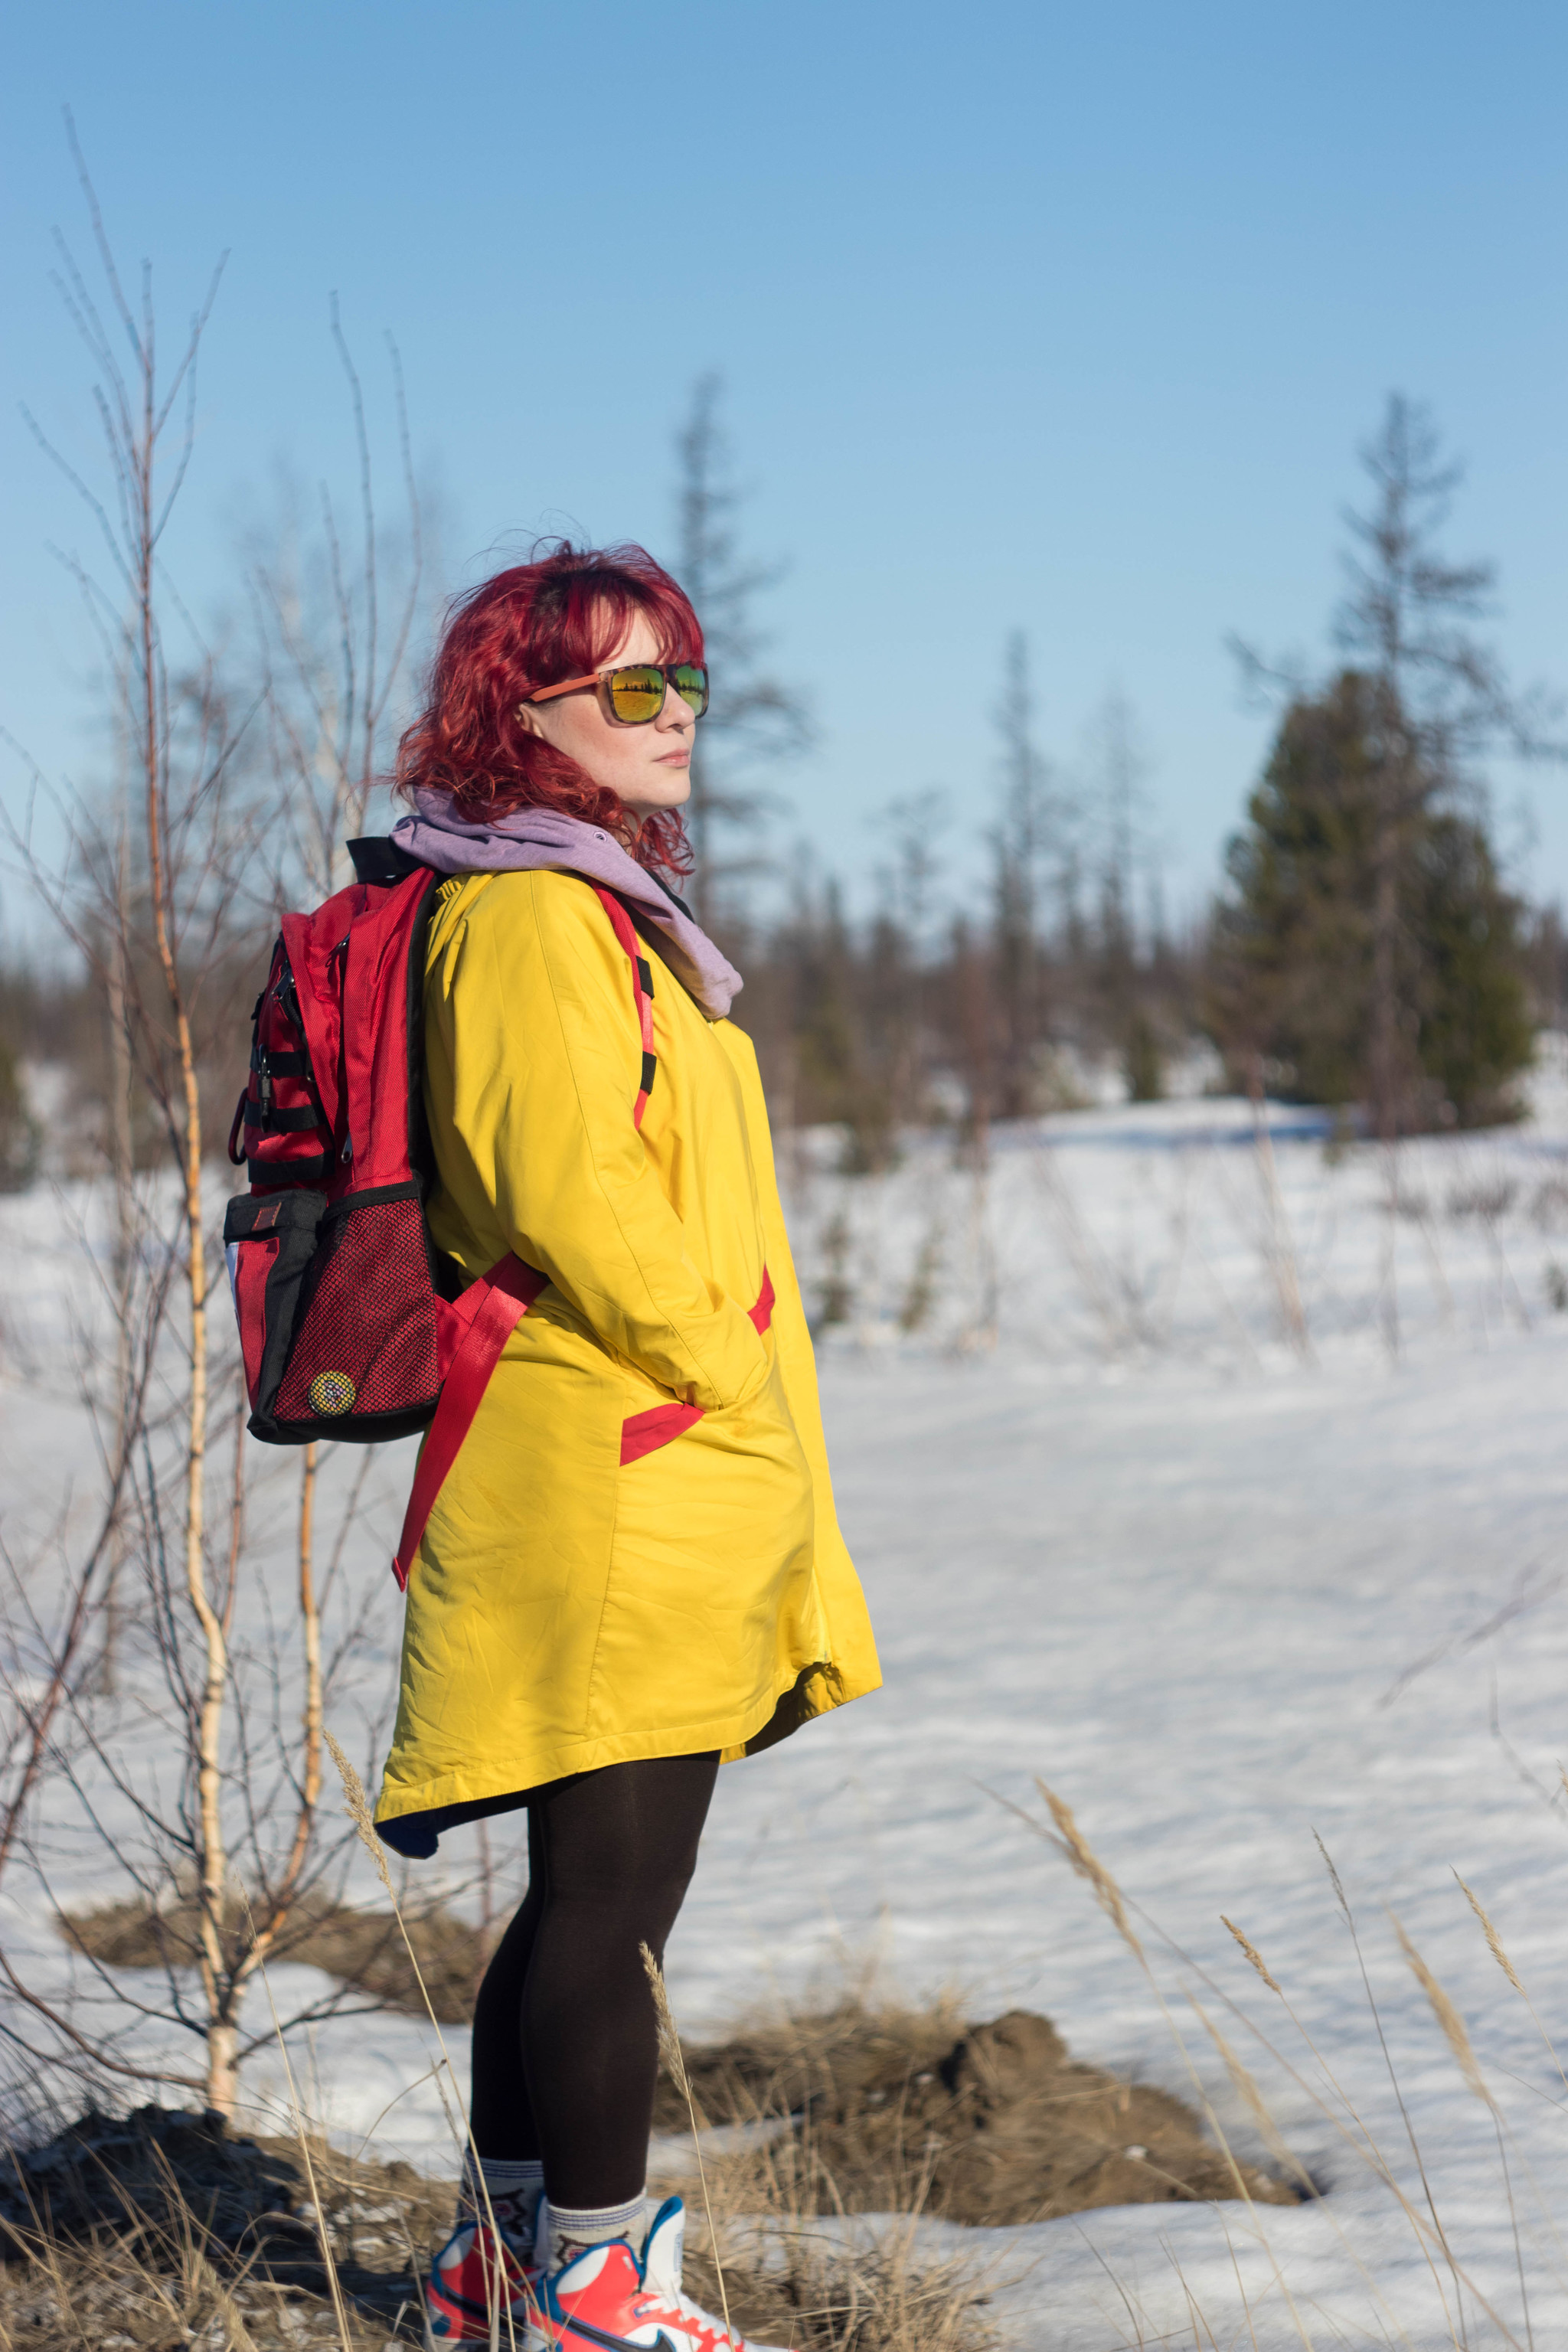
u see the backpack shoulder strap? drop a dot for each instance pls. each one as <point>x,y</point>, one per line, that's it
<point>642,991</point>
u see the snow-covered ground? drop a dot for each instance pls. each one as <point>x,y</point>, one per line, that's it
<point>1225,1576</point>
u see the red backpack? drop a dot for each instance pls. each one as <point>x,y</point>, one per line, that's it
<point>352,1323</point>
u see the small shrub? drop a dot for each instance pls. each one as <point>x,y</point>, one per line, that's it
<point>21,1138</point>
<point>1549,1204</point>
<point>837,1293</point>
<point>920,1296</point>
<point>1488,1198</point>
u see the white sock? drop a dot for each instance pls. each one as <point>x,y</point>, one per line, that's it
<point>513,2191</point>
<point>566,2229</point>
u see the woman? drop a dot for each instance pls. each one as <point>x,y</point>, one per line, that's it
<point>633,1572</point>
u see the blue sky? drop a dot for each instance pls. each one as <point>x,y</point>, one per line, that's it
<point>1056,319</point>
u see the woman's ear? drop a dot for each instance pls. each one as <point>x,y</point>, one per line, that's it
<point>528,718</point>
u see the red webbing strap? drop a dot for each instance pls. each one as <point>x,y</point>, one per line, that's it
<point>644,1433</point>
<point>642,990</point>
<point>507,1292</point>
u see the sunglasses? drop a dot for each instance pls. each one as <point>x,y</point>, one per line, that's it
<point>637,693</point>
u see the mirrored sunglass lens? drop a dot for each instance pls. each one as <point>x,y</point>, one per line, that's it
<point>691,683</point>
<point>636,694</point>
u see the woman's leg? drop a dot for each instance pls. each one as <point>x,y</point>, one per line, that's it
<point>500,2116</point>
<point>565,2040</point>
<point>619,1848</point>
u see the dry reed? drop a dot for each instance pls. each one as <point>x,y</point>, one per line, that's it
<point>497,2297</point>
<point>1494,1941</point>
<point>1454,2032</point>
<point>318,2207</point>
<point>675,2059</point>
<point>1071,1842</point>
<point>1252,1953</point>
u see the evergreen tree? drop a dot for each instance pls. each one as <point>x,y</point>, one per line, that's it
<point>1300,940</point>
<point>752,718</point>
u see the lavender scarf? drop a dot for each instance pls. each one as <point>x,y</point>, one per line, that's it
<point>545,841</point>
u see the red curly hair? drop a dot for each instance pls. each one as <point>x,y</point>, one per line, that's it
<point>560,616</point>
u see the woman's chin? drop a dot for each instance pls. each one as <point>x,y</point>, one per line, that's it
<point>660,800</point>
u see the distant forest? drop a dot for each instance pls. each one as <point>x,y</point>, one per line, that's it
<point>1364,950</point>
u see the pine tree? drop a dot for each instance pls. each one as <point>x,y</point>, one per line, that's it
<point>1302,942</point>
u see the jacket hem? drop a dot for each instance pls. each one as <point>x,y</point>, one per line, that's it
<point>730,1734</point>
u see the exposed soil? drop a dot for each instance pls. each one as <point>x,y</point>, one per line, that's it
<point>989,2124</point>
<point>157,2229</point>
<point>363,1949</point>
<point>152,2232</point>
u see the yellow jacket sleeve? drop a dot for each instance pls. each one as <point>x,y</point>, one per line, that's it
<point>531,1008</point>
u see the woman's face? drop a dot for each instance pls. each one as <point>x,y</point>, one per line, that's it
<point>647,767</point>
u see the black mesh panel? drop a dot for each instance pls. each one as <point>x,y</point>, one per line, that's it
<point>366,1341</point>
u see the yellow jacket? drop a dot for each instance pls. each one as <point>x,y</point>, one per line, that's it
<point>577,1601</point>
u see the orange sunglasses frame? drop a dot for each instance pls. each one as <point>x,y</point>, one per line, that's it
<point>571,685</point>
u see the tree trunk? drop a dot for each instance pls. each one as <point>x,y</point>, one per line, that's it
<point>1387,1059</point>
<point>212,1859</point>
<point>123,1164</point>
<point>223,2068</point>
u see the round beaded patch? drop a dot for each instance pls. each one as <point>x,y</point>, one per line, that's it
<point>333,1392</point>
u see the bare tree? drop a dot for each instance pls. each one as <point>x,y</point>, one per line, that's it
<point>753,719</point>
<point>146,891</point>
<point>1120,853</point>
<point>1024,845</point>
<point>332,671</point>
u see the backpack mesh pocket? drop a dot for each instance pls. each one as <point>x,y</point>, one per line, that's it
<point>364,1345</point>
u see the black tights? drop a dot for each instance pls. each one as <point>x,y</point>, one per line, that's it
<point>565,2040</point>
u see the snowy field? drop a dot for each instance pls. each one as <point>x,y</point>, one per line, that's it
<point>1221,1482</point>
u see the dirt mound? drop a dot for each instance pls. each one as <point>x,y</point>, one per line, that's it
<point>995,2125</point>
<point>157,2232</point>
<point>133,2218</point>
<point>363,1949</point>
<point>109,2174</point>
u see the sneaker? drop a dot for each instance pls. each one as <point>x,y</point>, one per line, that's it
<point>475,2271</point>
<point>608,2300</point>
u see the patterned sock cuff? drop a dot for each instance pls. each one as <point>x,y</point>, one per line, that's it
<point>594,2225</point>
<point>505,2171</point>
<point>510,2189</point>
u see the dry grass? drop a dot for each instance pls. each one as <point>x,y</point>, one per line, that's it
<point>790,2283</point>
<point>891,2110</point>
<point>363,1949</point>
<point>160,2230</point>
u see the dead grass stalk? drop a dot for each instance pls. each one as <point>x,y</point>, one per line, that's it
<point>669,2045</point>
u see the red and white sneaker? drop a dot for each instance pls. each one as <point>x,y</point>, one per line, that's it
<point>477,2274</point>
<point>606,2300</point>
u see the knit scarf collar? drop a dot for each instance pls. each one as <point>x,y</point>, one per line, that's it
<point>546,841</point>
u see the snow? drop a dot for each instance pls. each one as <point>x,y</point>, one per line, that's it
<point>1226,1589</point>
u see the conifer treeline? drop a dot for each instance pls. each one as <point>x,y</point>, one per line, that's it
<point>1036,1000</point>
<point>1363,951</point>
